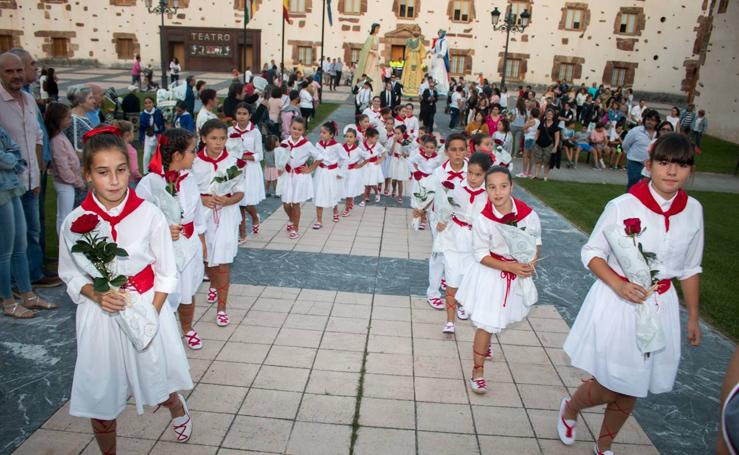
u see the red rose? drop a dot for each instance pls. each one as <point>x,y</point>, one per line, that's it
<point>447,184</point>
<point>84,224</point>
<point>509,218</point>
<point>633,226</point>
<point>442,141</point>
<point>171,176</point>
<point>240,163</point>
<point>234,135</point>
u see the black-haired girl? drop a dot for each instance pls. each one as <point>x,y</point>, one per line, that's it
<point>327,183</point>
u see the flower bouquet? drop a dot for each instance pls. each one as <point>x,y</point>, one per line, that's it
<point>406,145</point>
<point>444,208</point>
<point>282,157</point>
<point>521,247</point>
<point>225,183</point>
<point>94,254</point>
<point>235,144</point>
<point>502,157</point>
<point>423,198</point>
<point>166,199</point>
<point>639,267</point>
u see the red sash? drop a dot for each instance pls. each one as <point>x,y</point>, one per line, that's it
<point>507,276</point>
<point>188,229</point>
<point>353,166</point>
<point>461,223</point>
<point>328,166</point>
<point>297,170</point>
<point>662,285</point>
<point>142,281</point>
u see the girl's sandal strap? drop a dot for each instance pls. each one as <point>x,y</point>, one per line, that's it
<point>17,311</point>
<point>37,302</point>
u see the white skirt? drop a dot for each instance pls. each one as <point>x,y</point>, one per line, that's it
<point>296,188</point>
<point>458,256</point>
<point>399,169</point>
<point>253,184</point>
<point>602,342</point>
<point>482,293</point>
<point>327,187</point>
<point>189,279</point>
<point>109,369</point>
<point>353,182</point>
<point>414,189</point>
<point>222,234</point>
<point>373,174</point>
<point>385,165</point>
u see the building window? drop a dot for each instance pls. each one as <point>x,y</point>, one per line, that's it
<point>518,7</point>
<point>407,9</point>
<point>573,19</point>
<point>305,55</point>
<point>566,72</point>
<point>618,76</point>
<point>352,6</point>
<point>124,47</point>
<point>60,47</point>
<point>6,43</point>
<point>297,6</point>
<point>722,6</point>
<point>461,10</point>
<point>456,64</point>
<point>513,68</point>
<point>355,55</point>
<point>628,23</point>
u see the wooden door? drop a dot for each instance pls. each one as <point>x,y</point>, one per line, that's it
<point>177,50</point>
<point>397,53</point>
<point>247,59</point>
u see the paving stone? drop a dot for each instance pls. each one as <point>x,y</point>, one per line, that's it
<point>375,412</point>
<point>440,390</point>
<point>388,386</point>
<point>289,356</point>
<point>373,441</point>
<point>271,403</point>
<point>493,445</point>
<point>311,438</point>
<point>457,417</point>
<point>447,443</point>
<point>327,409</point>
<point>230,373</point>
<point>50,441</point>
<point>243,352</point>
<point>124,446</point>
<point>395,364</point>
<point>215,398</point>
<point>258,433</point>
<point>502,421</point>
<point>281,378</point>
<point>334,383</point>
<point>331,360</point>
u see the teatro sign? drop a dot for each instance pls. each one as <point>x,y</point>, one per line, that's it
<point>211,44</point>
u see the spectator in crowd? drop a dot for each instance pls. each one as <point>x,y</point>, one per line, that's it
<point>94,116</point>
<point>174,70</point>
<point>199,87</point>
<point>131,103</point>
<point>636,145</point>
<point>127,135</point>
<point>306,102</point>
<point>455,106</point>
<point>209,98</point>
<point>687,118</point>
<point>547,141</point>
<point>190,94</point>
<point>50,85</point>
<point>82,101</point>
<point>518,120</point>
<point>699,126</point>
<point>151,126</point>
<point>19,119</point>
<point>635,113</point>
<point>182,118</point>
<point>136,71</point>
<point>289,113</point>
<point>234,97</point>
<point>673,117</point>
<point>428,106</point>
<point>65,166</point>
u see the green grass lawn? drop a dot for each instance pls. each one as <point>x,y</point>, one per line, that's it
<point>717,156</point>
<point>322,113</point>
<point>582,203</point>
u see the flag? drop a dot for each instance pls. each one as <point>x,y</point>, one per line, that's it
<point>250,9</point>
<point>330,17</point>
<point>285,9</point>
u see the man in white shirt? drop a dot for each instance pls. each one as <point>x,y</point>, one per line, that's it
<point>636,112</point>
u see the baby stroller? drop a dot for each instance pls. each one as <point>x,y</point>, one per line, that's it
<point>167,99</point>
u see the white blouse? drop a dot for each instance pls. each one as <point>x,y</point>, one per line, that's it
<point>487,238</point>
<point>251,141</point>
<point>333,154</point>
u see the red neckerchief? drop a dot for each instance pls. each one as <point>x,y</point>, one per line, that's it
<point>203,155</point>
<point>409,116</point>
<point>641,192</point>
<point>429,157</point>
<point>399,118</point>
<point>369,149</point>
<point>359,128</point>
<point>522,211</point>
<point>473,193</point>
<point>350,150</point>
<point>327,144</point>
<point>300,143</point>
<point>451,173</point>
<point>132,203</point>
<point>249,127</point>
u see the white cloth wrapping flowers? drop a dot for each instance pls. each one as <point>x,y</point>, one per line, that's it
<point>444,210</point>
<point>521,247</point>
<point>170,206</point>
<point>282,157</point>
<point>650,335</point>
<point>139,320</point>
<point>423,198</point>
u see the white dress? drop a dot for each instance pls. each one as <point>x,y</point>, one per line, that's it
<point>188,196</point>
<point>372,169</point>
<point>602,340</point>
<point>388,144</point>
<point>296,185</point>
<point>493,297</point>
<point>360,132</point>
<point>399,169</point>
<point>374,117</point>
<point>108,369</point>
<point>456,238</point>
<point>221,224</point>
<point>353,184</point>
<point>422,166</point>
<point>327,181</point>
<point>248,142</point>
<point>411,125</point>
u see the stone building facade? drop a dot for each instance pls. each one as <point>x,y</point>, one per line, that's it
<point>657,47</point>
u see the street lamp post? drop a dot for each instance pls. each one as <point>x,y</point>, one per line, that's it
<point>510,23</point>
<point>162,7</point>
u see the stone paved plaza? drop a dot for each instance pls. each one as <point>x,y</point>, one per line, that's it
<point>331,347</point>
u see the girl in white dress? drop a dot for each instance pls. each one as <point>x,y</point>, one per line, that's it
<point>248,140</point>
<point>354,175</point>
<point>328,178</point>
<point>470,197</point>
<point>372,154</point>
<point>399,170</point>
<point>220,212</point>
<point>388,143</point>
<point>109,369</point>
<point>489,291</point>
<point>363,122</point>
<point>411,121</point>
<point>422,165</point>
<point>173,160</point>
<point>296,181</point>
<point>602,340</point>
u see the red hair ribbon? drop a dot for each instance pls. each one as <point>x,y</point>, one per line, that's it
<point>107,129</point>
<point>155,165</point>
